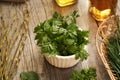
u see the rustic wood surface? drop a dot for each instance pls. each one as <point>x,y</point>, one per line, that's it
<point>35,11</point>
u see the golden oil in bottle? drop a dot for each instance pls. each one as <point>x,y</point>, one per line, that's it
<point>63,3</point>
<point>102,9</point>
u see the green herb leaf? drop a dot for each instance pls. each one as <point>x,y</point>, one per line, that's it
<point>85,74</point>
<point>60,36</point>
<point>29,76</point>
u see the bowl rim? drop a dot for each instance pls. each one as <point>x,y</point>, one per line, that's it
<point>66,57</point>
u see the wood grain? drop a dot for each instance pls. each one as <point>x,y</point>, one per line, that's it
<point>14,0</point>
<point>31,58</point>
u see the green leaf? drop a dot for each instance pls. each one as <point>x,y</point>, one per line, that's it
<point>69,42</point>
<point>57,16</point>
<point>73,48</point>
<point>38,28</point>
<point>85,74</point>
<point>60,35</point>
<point>30,75</point>
<point>82,54</point>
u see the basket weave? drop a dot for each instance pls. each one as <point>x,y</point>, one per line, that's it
<point>105,31</point>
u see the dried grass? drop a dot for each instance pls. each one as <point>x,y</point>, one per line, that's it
<point>12,41</point>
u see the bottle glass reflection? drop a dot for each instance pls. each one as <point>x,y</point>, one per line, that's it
<point>63,3</point>
<point>101,9</point>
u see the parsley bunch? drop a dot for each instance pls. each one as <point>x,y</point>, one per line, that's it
<point>30,75</point>
<point>85,74</point>
<point>60,36</point>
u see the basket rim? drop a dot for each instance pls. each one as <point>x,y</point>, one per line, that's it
<point>101,54</point>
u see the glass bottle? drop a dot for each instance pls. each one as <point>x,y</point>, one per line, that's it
<point>63,3</point>
<point>101,9</point>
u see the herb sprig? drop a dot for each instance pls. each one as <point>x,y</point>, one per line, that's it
<point>85,74</point>
<point>60,36</point>
<point>30,75</point>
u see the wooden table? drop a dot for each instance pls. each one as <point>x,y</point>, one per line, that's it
<point>19,20</point>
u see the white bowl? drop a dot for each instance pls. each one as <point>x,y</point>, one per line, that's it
<point>62,61</point>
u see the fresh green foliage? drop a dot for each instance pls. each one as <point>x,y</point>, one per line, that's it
<point>85,74</point>
<point>29,76</point>
<point>113,47</point>
<point>60,36</point>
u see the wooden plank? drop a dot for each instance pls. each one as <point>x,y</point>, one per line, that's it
<point>14,0</point>
<point>31,58</point>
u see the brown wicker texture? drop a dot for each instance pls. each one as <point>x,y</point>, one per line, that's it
<point>105,30</point>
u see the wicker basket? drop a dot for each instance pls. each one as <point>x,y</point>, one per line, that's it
<point>105,30</point>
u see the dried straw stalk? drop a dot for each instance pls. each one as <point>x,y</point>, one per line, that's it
<point>8,60</point>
